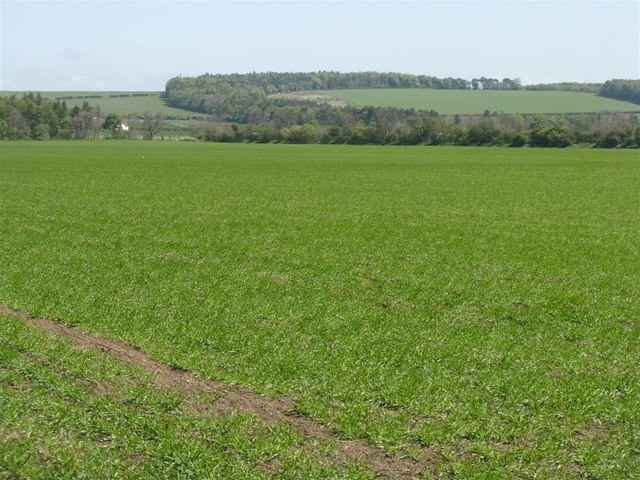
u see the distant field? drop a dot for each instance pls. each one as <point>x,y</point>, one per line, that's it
<point>450,102</point>
<point>474,308</point>
<point>122,103</point>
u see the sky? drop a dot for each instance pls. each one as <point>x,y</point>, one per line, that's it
<point>138,45</point>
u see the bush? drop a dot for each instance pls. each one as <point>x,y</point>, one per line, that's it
<point>518,140</point>
<point>610,140</point>
<point>554,136</point>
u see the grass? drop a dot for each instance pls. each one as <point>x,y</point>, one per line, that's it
<point>450,102</point>
<point>479,306</point>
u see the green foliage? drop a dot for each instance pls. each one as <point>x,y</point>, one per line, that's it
<point>151,125</point>
<point>307,133</point>
<point>113,124</point>
<point>34,117</point>
<point>483,133</point>
<point>481,304</point>
<point>555,135</point>
<point>610,140</point>
<point>483,83</point>
<point>39,118</point>
<point>627,90</point>
<point>566,87</point>
<point>321,123</point>
<point>518,139</point>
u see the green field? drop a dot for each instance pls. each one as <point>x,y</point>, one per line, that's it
<point>476,309</point>
<point>450,102</point>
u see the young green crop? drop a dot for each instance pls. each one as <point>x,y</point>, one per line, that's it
<point>476,306</point>
<point>450,102</point>
<point>67,413</point>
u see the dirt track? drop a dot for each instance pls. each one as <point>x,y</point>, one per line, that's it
<point>231,399</point>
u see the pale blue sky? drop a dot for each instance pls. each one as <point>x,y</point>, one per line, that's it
<point>140,44</point>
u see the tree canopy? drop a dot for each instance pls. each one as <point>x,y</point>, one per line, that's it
<point>628,90</point>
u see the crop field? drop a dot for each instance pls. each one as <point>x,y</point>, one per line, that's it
<point>451,102</point>
<point>415,311</point>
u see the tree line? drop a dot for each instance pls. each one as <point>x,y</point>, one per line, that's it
<point>31,116</point>
<point>567,87</point>
<point>309,122</point>
<point>626,90</point>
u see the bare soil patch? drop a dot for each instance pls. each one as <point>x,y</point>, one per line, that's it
<point>230,399</point>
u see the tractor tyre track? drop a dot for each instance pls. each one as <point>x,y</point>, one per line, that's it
<point>232,399</point>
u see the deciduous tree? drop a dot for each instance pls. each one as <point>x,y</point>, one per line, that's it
<point>151,125</point>
<point>113,124</point>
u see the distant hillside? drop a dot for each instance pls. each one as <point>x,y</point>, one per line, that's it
<point>229,96</point>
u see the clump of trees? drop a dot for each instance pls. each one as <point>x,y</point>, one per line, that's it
<point>30,116</point>
<point>34,117</point>
<point>566,87</point>
<point>628,90</point>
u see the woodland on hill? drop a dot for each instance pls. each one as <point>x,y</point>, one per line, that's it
<point>229,96</point>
